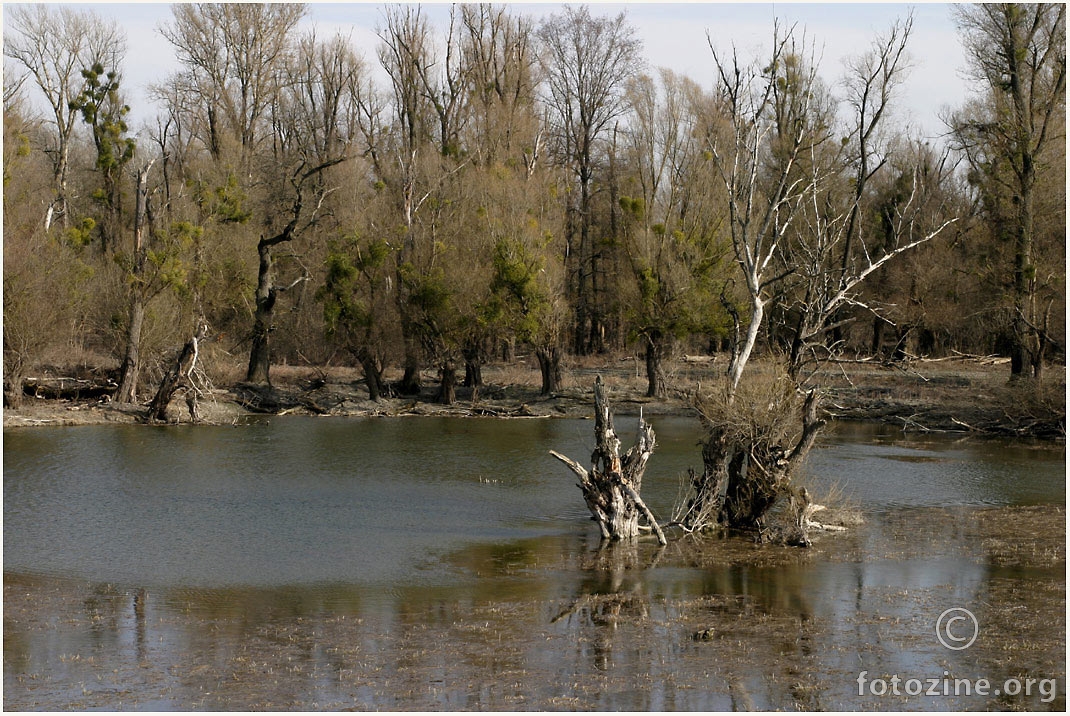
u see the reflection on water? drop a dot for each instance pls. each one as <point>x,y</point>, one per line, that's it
<point>302,500</point>
<point>327,564</point>
<point>557,622</point>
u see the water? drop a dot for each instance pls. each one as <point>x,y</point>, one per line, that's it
<point>444,562</point>
<point>304,500</point>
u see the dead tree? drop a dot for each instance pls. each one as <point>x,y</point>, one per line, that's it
<point>179,375</point>
<point>750,457</point>
<point>611,487</point>
<point>790,235</point>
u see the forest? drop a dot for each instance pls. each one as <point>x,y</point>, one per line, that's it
<point>519,186</point>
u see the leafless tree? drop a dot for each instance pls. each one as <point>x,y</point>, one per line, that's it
<point>55,45</point>
<point>232,54</point>
<point>587,61</point>
<point>500,54</point>
<point>314,118</point>
<point>1018,52</point>
<point>786,223</point>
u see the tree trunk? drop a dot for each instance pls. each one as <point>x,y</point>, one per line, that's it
<point>14,393</point>
<point>611,487</point>
<point>473,367</point>
<point>266,295</point>
<point>131,368</point>
<point>1024,350</point>
<point>373,373</point>
<point>550,366</point>
<point>655,375</point>
<point>59,204</point>
<point>877,341</point>
<point>742,478</point>
<point>410,380</point>
<point>178,373</point>
<point>742,354</point>
<point>447,387</point>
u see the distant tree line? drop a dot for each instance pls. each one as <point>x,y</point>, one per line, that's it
<point>520,186</point>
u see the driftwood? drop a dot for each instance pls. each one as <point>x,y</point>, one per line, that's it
<point>611,487</point>
<point>67,388</point>
<point>179,375</point>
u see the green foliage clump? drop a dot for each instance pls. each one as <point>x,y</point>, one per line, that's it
<point>82,233</point>
<point>518,299</point>
<point>224,203</point>
<point>102,109</point>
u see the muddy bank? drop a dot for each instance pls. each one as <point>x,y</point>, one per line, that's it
<point>966,397</point>
<point>556,623</point>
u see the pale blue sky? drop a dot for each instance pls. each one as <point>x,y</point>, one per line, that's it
<point>673,34</point>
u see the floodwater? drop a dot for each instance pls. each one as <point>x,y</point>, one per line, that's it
<point>423,563</point>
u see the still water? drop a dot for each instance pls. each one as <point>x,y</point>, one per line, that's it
<point>446,562</point>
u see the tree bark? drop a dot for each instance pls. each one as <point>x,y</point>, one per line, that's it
<point>473,367</point>
<point>655,374</point>
<point>373,373</point>
<point>447,387</point>
<point>550,367</point>
<point>131,368</point>
<point>410,380</point>
<point>509,350</point>
<point>611,487</point>
<point>13,387</point>
<point>1025,351</point>
<point>266,296</point>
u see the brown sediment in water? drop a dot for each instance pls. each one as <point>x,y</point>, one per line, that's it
<point>710,624</point>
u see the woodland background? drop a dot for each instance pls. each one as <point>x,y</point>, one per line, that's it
<point>517,186</point>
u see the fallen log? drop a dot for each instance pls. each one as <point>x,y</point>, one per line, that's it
<point>67,389</point>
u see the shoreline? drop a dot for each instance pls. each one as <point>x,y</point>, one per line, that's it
<point>968,398</point>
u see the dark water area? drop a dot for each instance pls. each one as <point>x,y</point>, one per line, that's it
<point>317,563</point>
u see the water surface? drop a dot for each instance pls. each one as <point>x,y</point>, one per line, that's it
<point>445,562</point>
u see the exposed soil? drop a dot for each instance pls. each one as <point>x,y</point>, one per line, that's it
<point>961,396</point>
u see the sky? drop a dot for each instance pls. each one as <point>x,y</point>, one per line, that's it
<point>674,35</point>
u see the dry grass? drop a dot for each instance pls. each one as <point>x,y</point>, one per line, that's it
<point>766,409</point>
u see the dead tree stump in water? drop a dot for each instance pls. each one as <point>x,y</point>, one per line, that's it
<point>611,487</point>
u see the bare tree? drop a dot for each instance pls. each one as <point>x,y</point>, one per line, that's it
<point>786,223</point>
<point>405,53</point>
<point>320,106</point>
<point>232,53</point>
<point>587,62</point>
<point>55,45</point>
<point>315,123</point>
<point>760,211</point>
<point>131,365</point>
<point>1018,52</point>
<point>500,55</point>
